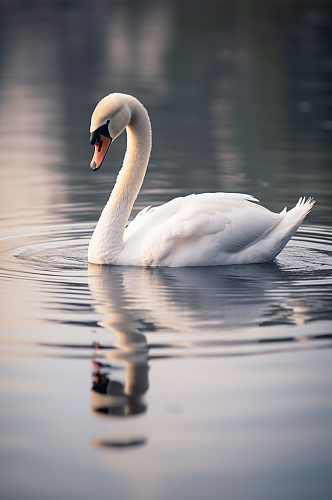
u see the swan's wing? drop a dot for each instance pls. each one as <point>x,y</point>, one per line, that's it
<point>149,217</point>
<point>200,224</point>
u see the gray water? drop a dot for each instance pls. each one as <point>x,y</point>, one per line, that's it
<point>164,383</point>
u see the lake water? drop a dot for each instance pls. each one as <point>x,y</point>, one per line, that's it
<point>164,383</point>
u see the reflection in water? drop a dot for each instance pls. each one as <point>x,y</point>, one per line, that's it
<point>109,396</point>
<point>185,300</point>
<point>193,312</point>
<point>112,397</point>
<point>200,310</point>
<point>118,443</point>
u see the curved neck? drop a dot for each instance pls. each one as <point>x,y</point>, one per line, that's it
<point>108,234</point>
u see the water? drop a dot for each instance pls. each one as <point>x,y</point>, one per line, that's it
<point>164,383</point>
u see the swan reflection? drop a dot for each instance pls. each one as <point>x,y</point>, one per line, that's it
<point>233,305</point>
<point>109,396</point>
<point>180,312</point>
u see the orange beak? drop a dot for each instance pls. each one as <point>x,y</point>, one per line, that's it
<point>101,146</point>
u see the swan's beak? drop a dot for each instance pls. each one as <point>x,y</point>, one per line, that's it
<point>101,143</point>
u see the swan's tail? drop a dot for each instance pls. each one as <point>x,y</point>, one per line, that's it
<point>293,218</point>
<point>301,209</point>
<point>284,230</point>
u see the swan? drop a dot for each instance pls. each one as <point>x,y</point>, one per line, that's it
<point>197,230</point>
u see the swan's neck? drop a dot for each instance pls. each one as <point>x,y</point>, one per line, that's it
<point>107,240</point>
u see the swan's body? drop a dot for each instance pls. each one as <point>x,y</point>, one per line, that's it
<point>196,230</point>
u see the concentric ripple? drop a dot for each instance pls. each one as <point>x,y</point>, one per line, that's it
<point>77,309</point>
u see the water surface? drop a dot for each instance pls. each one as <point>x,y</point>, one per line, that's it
<point>164,383</point>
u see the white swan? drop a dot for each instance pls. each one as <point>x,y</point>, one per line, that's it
<point>195,230</point>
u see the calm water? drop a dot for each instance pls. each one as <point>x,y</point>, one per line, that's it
<point>164,383</point>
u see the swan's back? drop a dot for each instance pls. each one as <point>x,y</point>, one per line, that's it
<point>209,229</point>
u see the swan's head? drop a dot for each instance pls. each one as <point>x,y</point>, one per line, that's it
<point>109,119</point>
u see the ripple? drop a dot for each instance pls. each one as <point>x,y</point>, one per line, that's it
<point>167,312</point>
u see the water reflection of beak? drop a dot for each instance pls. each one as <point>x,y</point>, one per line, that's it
<point>111,397</point>
<point>101,140</point>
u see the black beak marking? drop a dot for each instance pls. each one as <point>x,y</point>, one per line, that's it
<point>95,136</point>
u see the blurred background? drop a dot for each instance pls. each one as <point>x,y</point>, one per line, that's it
<point>239,94</point>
